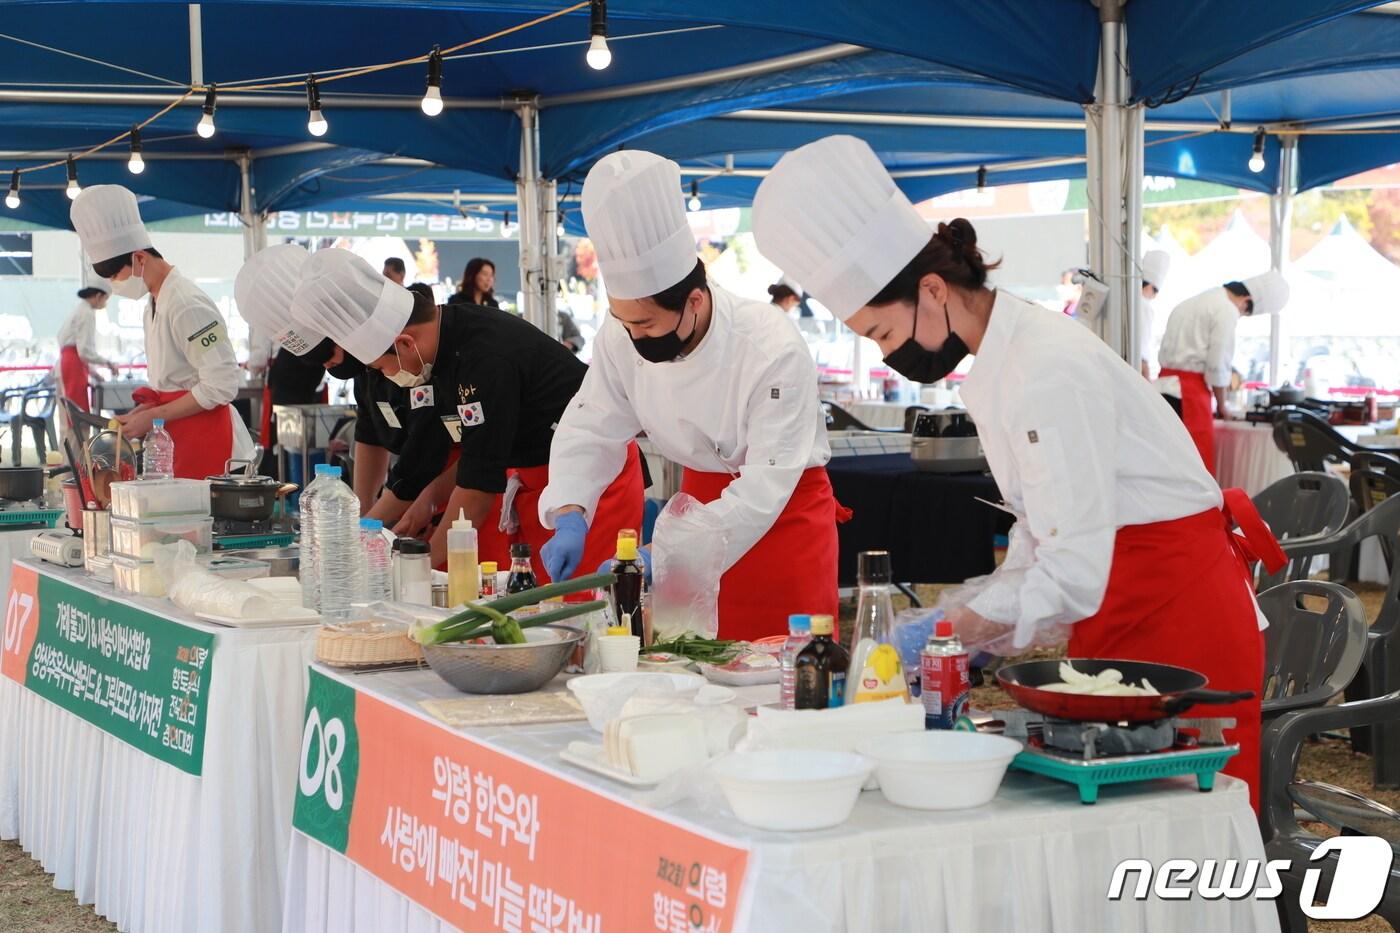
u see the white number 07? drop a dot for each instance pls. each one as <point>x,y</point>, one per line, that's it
<point>17,613</point>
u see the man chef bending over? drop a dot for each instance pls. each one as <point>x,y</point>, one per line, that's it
<point>495,385</point>
<point>190,364</point>
<point>722,386</point>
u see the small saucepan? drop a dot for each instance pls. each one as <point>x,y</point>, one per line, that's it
<point>21,484</point>
<point>243,496</point>
<point>1179,689</point>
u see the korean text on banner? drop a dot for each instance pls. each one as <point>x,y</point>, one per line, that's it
<point>486,841</point>
<point>137,676</point>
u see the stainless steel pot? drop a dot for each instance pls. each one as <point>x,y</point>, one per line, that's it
<point>21,484</point>
<point>243,496</point>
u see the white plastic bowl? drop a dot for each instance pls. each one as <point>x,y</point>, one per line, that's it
<point>940,770</point>
<point>793,789</point>
<point>603,695</point>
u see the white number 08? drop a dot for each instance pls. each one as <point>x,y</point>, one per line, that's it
<point>328,744</point>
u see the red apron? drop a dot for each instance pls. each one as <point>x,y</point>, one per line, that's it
<point>619,507</point>
<point>75,376</point>
<point>791,569</point>
<point>1181,592</point>
<point>1196,413</point>
<point>203,441</point>
<point>265,416</point>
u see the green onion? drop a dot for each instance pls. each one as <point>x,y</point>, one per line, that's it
<point>467,624</point>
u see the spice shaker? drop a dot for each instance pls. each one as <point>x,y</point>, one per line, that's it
<point>415,572</point>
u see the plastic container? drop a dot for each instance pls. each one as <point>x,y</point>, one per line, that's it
<point>799,633</point>
<point>339,559</point>
<point>147,500</point>
<point>136,577</point>
<point>415,572</point>
<point>463,573</point>
<point>377,585</point>
<point>602,696</point>
<point>310,589</point>
<point>940,770</point>
<point>158,452</point>
<point>876,671</point>
<point>235,568</point>
<point>136,539</point>
<point>791,790</point>
<point>619,652</point>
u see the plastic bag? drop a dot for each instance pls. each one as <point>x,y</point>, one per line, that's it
<point>1003,639</point>
<point>196,590</point>
<point>688,549</point>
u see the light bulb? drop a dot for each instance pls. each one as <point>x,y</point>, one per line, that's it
<point>206,126</point>
<point>1256,163</point>
<point>693,204</point>
<point>599,55</point>
<point>12,201</point>
<point>73,190</point>
<point>432,101</point>
<point>558,231</point>
<point>136,165</point>
<point>316,124</point>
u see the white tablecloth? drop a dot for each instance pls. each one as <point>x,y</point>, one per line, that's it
<point>1247,457</point>
<point>1033,860</point>
<point>151,847</point>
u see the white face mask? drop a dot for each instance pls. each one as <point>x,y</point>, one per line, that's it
<point>132,287</point>
<point>407,380</point>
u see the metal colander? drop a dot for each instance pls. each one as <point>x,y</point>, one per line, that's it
<point>505,668</point>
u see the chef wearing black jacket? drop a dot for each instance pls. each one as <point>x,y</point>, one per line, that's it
<point>491,384</point>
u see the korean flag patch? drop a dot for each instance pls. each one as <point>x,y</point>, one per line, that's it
<point>471,414</point>
<point>420,396</point>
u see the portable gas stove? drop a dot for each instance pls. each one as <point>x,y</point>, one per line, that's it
<point>1090,755</point>
<point>27,516</point>
<point>232,534</point>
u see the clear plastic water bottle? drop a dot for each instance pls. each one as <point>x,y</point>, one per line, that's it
<point>377,585</point>
<point>339,566</point>
<point>158,452</point>
<point>310,582</point>
<point>799,634</point>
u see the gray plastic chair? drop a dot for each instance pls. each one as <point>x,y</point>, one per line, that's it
<point>838,419</point>
<point>1347,812</point>
<point>1380,667</point>
<point>1311,652</point>
<point>1302,505</point>
<point>1309,442</point>
<point>1372,482</point>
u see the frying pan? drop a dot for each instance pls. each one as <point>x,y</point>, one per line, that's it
<point>1180,689</point>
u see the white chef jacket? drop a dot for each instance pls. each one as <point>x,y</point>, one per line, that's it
<point>1200,337</point>
<point>80,331</point>
<point>1146,319</point>
<point>1081,445</point>
<point>743,402</point>
<point>187,347</point>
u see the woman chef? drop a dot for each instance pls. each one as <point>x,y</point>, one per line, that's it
<point>190,364</point>
<point>1200,343</point>
<point>77,346</point>
<point>1155,265</point>
<point>1130,540</point>
<point>486,380</point>
<point>721,385</point>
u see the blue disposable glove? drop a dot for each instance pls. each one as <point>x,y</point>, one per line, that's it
<point>562,552</point>
<point>643,552</point>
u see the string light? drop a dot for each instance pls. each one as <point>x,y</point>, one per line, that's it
<point>432,97</point>
<point>599,55</point>
<point>316,123</point>
<point>1256,160</point>
<point>12,199</point>
<point>694,203</point>
<point>559,230</point>
<point>136,165</point>
<point>73,189</point>
<point>982,178</point>
<point>206,123</point>
<point>505,222</point>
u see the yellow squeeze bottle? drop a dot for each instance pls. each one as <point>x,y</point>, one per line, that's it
<point>463,572</point>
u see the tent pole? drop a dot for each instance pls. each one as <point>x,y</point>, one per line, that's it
<point>196,46</point>
<point>254,233</point>
<point>1280,237</point>
<point>527,187</point>
<point>549,261</point>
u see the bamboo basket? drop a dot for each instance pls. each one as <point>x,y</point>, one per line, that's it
<point>365,644</point>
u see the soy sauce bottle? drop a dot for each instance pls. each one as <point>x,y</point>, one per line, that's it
<point>820,669</point>
<point>522,575</point>
<point>627,591</point>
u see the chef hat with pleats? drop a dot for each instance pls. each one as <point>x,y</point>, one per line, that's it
<point>1269,291</point>
<point>263,290</point>
<point>635,215</point>
<point>343,297</point>
<point>1155,266</point>
<point>108,222</point>
<point>830,216</point>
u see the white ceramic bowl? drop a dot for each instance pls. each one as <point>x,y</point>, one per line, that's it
<point>940,769</point>
<point>603,695</point>
<point>792,789</point>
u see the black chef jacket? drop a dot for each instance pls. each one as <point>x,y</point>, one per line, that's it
<point>293,380</point>
<point>385,419</point>
<point>499,387</point>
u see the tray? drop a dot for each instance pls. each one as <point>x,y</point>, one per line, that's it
<point>289,616</point>
<point>589,757</point>
<point>1090,775</point>
<point>47,518</point>
<point>718,675</point>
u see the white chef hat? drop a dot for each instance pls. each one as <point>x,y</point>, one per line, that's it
<point>264,289</point>
<point>830,216</point>
<point>1155,265</point>
<point>635,216</point>
<point>343,297</point>
<point>108,222</point>
<point>1269,291</point>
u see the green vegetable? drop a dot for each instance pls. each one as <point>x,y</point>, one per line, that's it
<point>475,620</point>
<point>507,632</point>
<point>709,650</point>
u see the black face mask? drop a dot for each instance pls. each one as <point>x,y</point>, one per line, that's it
<point>347,368</point>
<point>912,361</point>
<point>662,349</point>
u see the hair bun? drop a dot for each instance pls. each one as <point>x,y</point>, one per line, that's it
<point>773,290</point>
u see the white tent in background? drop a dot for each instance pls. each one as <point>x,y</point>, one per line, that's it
<point>1353,288</point>
<point>1236,253</point>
